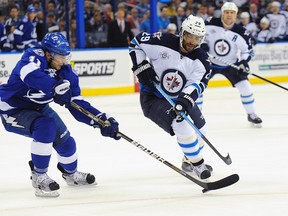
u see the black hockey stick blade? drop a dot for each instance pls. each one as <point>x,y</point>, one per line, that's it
<point>225,182</point>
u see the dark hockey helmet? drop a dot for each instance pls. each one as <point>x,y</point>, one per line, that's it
<point>56,43</point>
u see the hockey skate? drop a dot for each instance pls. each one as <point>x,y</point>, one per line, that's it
<point>202,171</point>
<point>77,178</point>
<point>43,184</point>
<point>255,120</point>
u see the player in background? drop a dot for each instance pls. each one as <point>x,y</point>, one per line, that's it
<point>224,38</point>
<point>25,35</point>
<point>42,76</point>
<point>182,69</point>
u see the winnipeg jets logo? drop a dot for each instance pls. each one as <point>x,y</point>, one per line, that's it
<point>164,55</point>
<point>12,121</point>
<point>173,81</point>
<point>222,47</point>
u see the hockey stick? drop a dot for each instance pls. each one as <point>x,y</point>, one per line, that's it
<point>227,181</point>
<point>226,159</point>
<point>249,72</point>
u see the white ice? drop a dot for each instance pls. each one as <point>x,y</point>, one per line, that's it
<point>132,183</point>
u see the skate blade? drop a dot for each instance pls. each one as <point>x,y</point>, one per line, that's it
<point>72,184</point>
<point>256,125</point>
<point>41,193</point>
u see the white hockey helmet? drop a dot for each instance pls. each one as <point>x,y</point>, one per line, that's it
<point>229,6</point>
<point>194,26</point>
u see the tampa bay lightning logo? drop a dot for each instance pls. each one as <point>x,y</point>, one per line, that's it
<point>222,47</point>
<point>38,96</point>
<point>172,82</point>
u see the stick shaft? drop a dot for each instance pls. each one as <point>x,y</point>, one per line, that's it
<point>236,67</point>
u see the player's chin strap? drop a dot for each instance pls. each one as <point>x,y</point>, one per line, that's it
<point>249,72</point>
<point>227,181</point>
<point>226,159</point>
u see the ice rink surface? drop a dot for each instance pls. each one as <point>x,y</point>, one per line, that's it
<point>132,183</point>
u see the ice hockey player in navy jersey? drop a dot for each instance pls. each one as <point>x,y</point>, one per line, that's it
<point>224,40</point>
<point>25,35</point>
<point>42,76</point>
<point>182,69</point>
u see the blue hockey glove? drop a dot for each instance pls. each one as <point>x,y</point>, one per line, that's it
<point>146,74</point>
<point>243,66</point>
<point>111,129</point>
<point>183,103</point>
<point>63,93</point>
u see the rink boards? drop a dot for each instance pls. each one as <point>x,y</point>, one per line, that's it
<point>108,71</point>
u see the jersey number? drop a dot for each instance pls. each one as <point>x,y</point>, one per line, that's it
<point>145,36</point>
<point>35,60</point>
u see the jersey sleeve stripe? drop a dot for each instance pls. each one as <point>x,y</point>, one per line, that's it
<point>28,69</point>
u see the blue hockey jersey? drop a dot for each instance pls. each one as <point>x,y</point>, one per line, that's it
<point>31,86</point>
<point>25,35</point>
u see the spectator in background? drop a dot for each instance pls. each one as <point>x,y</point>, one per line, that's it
<point>217,12</point>
<point>51,22</point>
<point>134,21</point>
<point>108,13</point>
<point>40,31</point>
<point>119,31</point>
<point>250,26</point>
<point>172,28</point>
<point>163,19</point>
<point>264,34</point>
<point>10,25</point>
<point>145,24</point>
<point>88,15</point>
<point>25,34</point>
<point>253,11</point>
<point>51,8</point>
<point>211,11</point>
<point>62,27</point>
<point>179,18</point>
<point>277,22</point>
<point>143,6</point>
<point>96,35</point>
<point>203,11</point>
<point>73,41</point>
<point>3,36</point>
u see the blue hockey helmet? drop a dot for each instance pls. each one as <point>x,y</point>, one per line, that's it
<point>31,9</point>
<point>56,43</point>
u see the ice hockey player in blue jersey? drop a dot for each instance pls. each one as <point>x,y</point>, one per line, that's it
<point>25,35</point>
<point>182,69</point>
<point>224,40</point>
<point>42,76</point>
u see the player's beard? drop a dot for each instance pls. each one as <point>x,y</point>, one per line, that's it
<point>189,46</point>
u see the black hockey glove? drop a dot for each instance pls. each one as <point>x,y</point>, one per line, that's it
<point>183,103</point>
<point>111,129</point>
<point>146,74</point>
<point>243,66</point>
<point>63,93</point>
